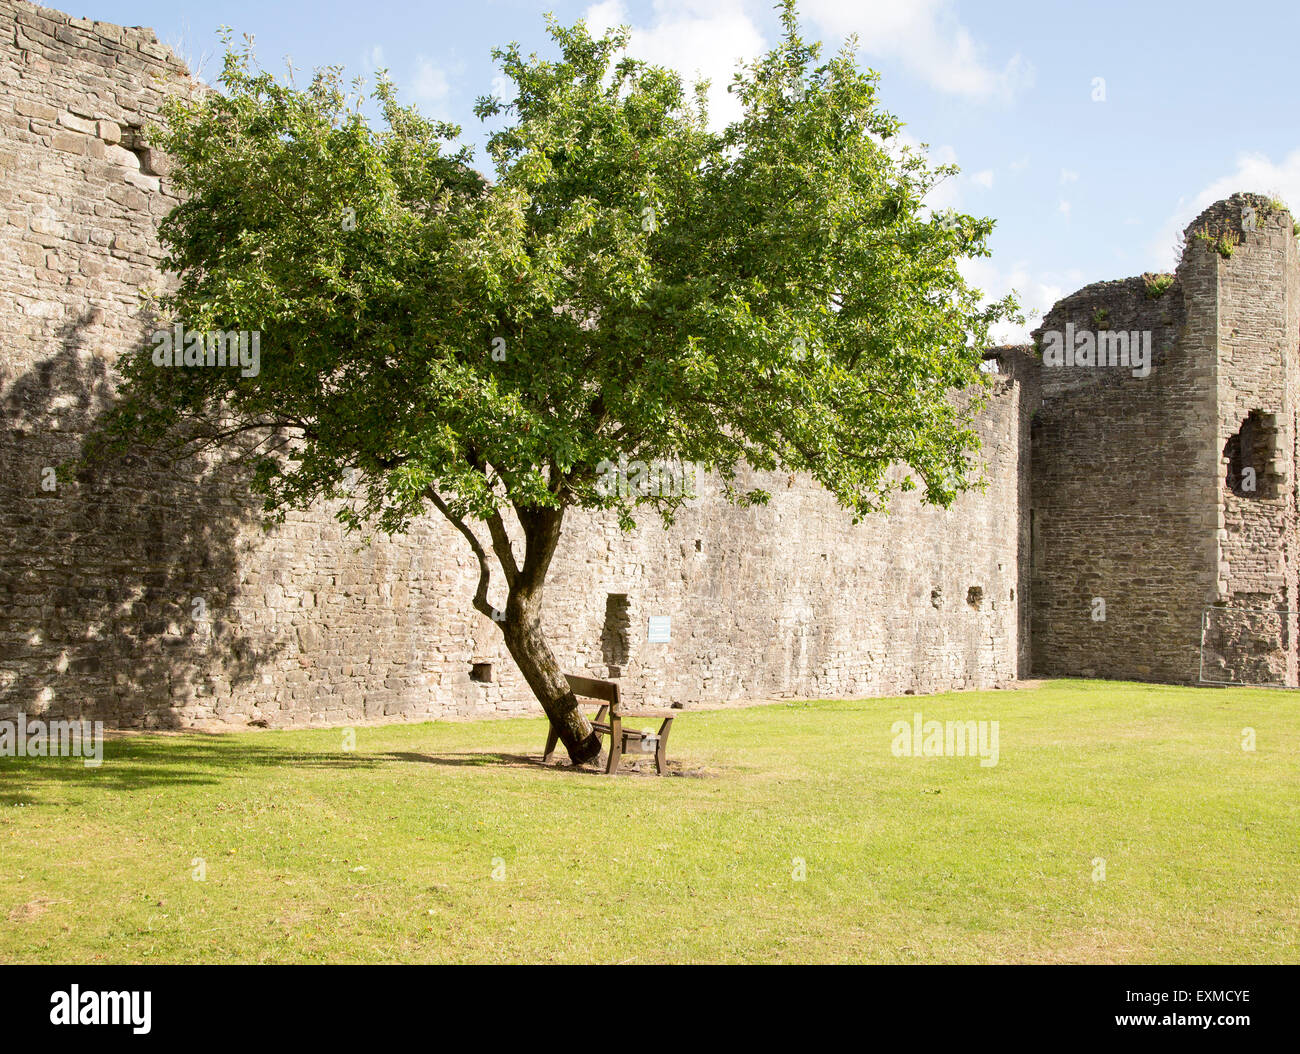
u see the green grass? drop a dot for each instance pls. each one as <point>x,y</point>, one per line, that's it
<point>387,853</point>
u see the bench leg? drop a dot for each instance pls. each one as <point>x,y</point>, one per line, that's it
<point>661,749</point>
<point>615,746</point>
<point>552,737</point>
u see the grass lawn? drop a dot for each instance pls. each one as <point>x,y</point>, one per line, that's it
<point>447,842</point>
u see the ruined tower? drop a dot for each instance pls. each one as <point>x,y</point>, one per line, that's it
<point>1162,506</point>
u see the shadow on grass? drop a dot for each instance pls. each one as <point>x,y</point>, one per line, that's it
<point>478,759</point>
<point>132,764</point>
<point>151,763</point>
<point>633,765</point>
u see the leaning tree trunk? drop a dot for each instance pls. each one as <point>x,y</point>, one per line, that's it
<point>522,625</point>
<point>527,644</point>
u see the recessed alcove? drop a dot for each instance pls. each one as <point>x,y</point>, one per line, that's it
<point>1251,454</point>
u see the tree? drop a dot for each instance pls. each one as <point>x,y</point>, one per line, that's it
<point>632,287</point>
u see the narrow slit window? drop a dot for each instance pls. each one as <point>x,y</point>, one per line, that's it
<point>616,635</point>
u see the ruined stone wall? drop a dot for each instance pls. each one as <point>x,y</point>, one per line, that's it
<point>1171,497</point>
<point>1254,630</point>
<point>1019,365</point>
<point>1290,456</point>
<point>1123,491</point>
<point>792,599</point>
<point>151,597</point>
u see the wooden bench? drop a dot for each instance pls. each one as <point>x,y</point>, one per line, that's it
<point>609,722</point>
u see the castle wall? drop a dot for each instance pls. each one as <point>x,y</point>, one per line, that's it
<point>1171,497</point>
<point>791,599</point>
<point>150,596</point>
<point>1257,332</point>
<point>1123,491</point>
<point>1018,365</point>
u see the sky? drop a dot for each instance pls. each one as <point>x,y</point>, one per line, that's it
<point>1091,132</point>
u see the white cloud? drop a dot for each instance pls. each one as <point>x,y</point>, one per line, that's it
<point>1254,172</point>
<point>928,39</point>
<point>1020,164</point>
<point>698,38</point>
<point>1067,176</point>
<point>983,179</point>
<point>1064,209</point>
<point>1036,296</point>
<point>430,87</point>
<point>605,16</point>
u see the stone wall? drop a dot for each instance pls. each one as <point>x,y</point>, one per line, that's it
<point>792,599</point>
<point>1133,501</point>
<point>151,597</point>
<point>1121,491</point>
<point>1257,337</point>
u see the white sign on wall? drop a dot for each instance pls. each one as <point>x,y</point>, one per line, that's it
<point>660,629</point>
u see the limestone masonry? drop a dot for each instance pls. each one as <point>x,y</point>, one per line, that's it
<point>1135,524</point>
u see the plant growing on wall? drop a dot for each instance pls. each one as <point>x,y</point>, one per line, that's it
<point>630,287</point>
<point>1224,243</point>
<point>1156,285</point>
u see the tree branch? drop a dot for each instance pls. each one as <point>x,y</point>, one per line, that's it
<point>484,568</point>
<point>502,547</point>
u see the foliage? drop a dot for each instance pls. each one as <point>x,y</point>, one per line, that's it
<point>1156,284</point>
<point>629,284</point>
<point>1224,243</point>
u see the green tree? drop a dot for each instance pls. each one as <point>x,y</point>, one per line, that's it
<point>631,285</point>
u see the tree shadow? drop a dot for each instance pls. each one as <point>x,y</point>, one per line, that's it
<point>143,763</point>
<point>479,759</point>
<point>99,578</point>
<point>631,766</point>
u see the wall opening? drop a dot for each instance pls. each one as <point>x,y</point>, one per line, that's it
<point>481,672</point>
<point>616,635</point>
<point>1252,456</point>
<point>975,597</point>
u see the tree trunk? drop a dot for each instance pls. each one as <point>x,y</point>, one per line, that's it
<point>521,625</point>
<point>526,642</point>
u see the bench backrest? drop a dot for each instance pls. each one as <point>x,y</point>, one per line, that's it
<point>590,688</point>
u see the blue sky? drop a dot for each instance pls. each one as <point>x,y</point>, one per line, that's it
<point>1199,99</point>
